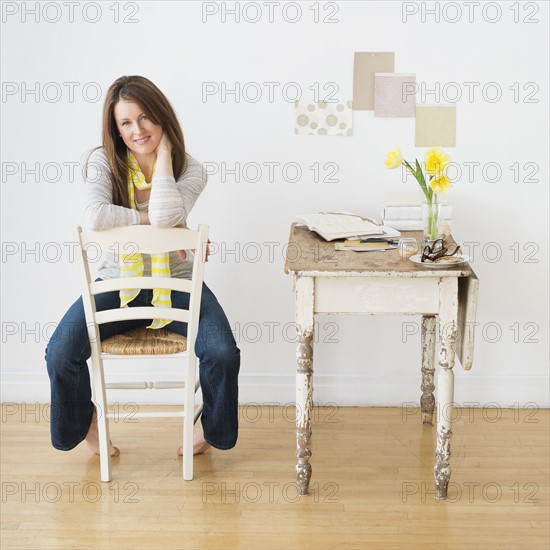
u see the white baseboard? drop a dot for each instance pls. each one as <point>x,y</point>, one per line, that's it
<point>365,390</point>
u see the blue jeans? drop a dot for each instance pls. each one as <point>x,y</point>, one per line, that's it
<point>215,348</point>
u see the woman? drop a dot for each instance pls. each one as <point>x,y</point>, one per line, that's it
<point>143,176</point>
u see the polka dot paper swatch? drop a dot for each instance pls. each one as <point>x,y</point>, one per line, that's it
<point>321,118</point>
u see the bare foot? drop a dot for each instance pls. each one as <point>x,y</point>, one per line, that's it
<point>199,444</point>
<point>92,438</point>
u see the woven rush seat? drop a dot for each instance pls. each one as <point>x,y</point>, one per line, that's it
<point>144,341</point>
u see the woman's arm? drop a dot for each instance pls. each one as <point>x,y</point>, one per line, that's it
<point>99,211</point>
<point>169,204</point>
<point>171,201</point>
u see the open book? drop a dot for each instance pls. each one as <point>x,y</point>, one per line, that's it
<point>340,225</point>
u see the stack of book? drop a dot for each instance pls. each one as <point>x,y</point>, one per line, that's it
<point>403,211</point>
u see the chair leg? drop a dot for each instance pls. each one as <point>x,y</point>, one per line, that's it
<point>100,398</point>
<point>198,412</point>
<point>189,420</point>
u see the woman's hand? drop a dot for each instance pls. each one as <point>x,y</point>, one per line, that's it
<point>183,254</point>
<point>207,250</point>
<point>164,146</point>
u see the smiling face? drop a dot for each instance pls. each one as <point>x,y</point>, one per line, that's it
<point>137,130</point>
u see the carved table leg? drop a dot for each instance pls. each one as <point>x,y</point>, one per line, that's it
<point>448,326</point>
<point>304,382</point>
<point>427,401</point>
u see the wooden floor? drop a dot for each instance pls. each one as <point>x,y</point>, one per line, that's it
<point>372,485</point>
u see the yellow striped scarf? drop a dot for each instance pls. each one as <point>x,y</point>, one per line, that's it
<point>131,265</point>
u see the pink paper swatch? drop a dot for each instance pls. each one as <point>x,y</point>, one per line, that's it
<point>394,95</point>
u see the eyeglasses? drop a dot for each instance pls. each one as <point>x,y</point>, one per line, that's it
<point>438,251</point>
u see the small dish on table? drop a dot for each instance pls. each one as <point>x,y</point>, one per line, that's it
<point>439,263</point>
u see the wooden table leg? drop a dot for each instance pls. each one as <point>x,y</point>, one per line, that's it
<point>448,327</point>
<point>427,401</point>
<point>304,380</point>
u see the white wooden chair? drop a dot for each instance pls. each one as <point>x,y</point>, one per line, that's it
<point>160,342</point>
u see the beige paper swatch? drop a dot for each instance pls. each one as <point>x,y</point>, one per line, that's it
<point>365,64</point>
<point>435,126</point>
<point>323,119</point>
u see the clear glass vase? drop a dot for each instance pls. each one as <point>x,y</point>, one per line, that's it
<point>431,221</point>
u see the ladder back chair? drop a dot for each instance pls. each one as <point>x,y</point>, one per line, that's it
<point>142,343</point>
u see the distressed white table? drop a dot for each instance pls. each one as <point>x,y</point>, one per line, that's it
<point>329,281</point>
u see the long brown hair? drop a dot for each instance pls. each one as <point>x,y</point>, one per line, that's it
<point>142,91</point>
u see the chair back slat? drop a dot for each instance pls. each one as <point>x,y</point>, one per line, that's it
<point>134,313</point>
<point>108,285</point>
<point>144,239</point>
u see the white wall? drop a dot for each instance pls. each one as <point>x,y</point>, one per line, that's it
<point>171,45</point>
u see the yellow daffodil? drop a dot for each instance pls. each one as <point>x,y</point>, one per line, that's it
<point>436,161</point>
<point>394,159</point>
<point>432,182</point>
<point>440,184</point>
